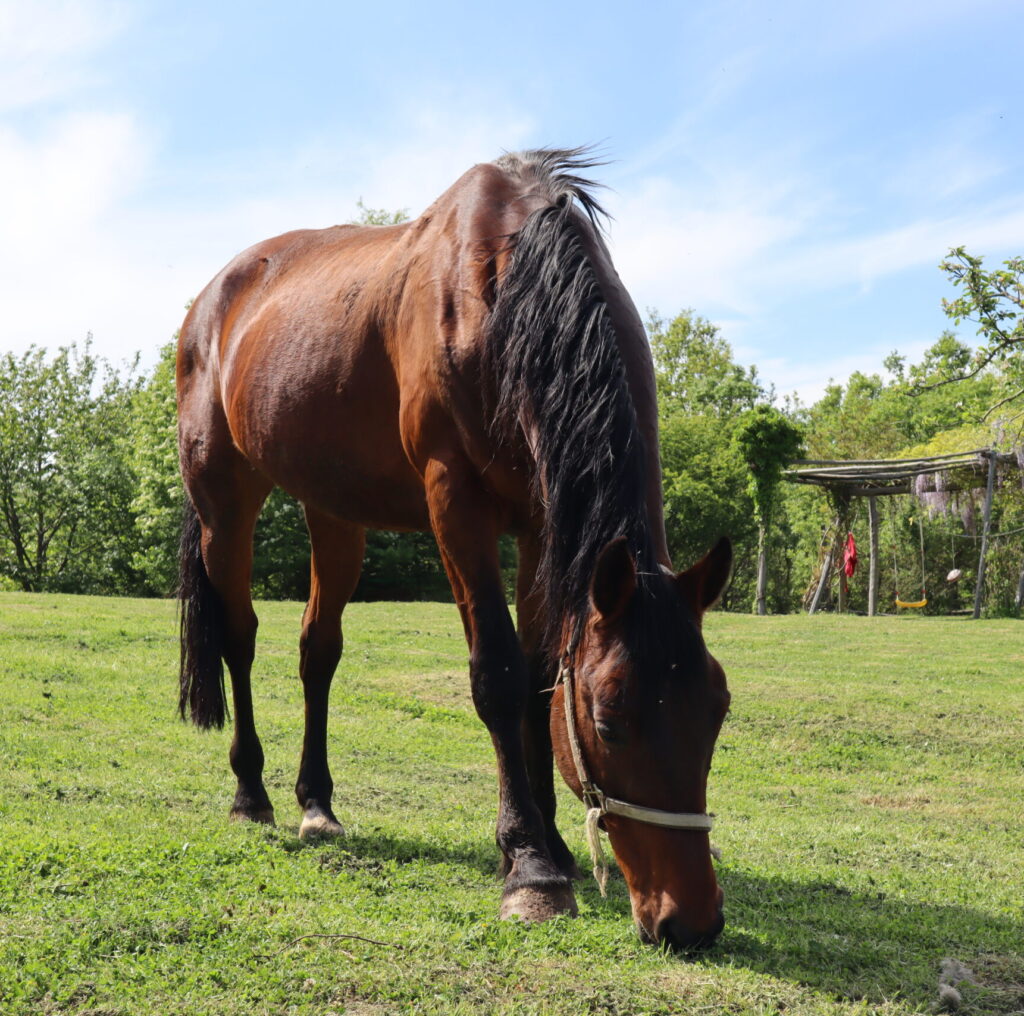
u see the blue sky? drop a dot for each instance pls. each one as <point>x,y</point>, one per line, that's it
<point>792,170</point>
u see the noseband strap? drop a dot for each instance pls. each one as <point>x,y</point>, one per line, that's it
<point>599,804</point>
<point>697,821</point>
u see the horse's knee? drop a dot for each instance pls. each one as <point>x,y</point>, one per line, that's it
<point>320,649</point>
<point>239,643</point>
<point>499,685</point>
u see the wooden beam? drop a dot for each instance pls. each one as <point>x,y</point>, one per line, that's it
<point>822,583</point>
<point>978,452</point>
<point>882,472</point>
<point>826,565</point>
<point>855,491</point>
<point>901,488</point>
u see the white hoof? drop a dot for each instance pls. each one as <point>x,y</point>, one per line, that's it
<point>318,825</point>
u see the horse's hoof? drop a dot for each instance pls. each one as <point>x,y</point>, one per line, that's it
<point>532,903</point>
<point>573,873</point>
<point>264,816</point>
<point>318,824</point>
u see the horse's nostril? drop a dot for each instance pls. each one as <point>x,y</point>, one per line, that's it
<point>676,936</point>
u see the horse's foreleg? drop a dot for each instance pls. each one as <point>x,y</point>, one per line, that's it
<point>335,564</point>
<point>467,529</point>
<point>536,722</point>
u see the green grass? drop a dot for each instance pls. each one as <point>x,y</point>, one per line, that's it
<point>869,788</point>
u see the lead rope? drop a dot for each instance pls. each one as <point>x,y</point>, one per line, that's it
<point>600,868</point>
<point>591,795</point>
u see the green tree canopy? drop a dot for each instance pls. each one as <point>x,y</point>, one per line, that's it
<point>695,371</point>
<point>66,479</point>
<point>995,302</point>
<point>158,495</point>
<point>768,441</point>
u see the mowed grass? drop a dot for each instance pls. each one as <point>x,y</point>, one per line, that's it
<point>869,788</point>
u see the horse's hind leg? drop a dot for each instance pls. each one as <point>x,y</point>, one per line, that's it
<point>228,494</point>
<point>335,564</point>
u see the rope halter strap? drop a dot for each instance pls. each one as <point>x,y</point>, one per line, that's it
<point>599,804</point>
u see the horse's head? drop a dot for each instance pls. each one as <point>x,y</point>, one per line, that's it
<point>648,703</point>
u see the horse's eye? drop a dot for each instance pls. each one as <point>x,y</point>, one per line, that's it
<point>610,732</point>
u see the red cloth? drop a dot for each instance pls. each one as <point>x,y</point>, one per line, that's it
<point>850,556</point>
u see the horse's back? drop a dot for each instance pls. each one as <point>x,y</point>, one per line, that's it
<point>283,351</point>
<point>342,361</point>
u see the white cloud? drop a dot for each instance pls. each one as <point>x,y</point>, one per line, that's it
<point>809,378</point>
<point>57,191</point>
<point>96,241</point>
<point>736,244</point>
<point>61,183</point>
<point>679,246</point>
<point>870,257</point>
<point>45,46</point>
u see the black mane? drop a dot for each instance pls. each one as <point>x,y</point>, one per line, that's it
<point>552,356</point>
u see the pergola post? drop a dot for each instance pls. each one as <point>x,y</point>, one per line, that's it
<point>979,586</point>
<point>873,563</point>
<point>761,595</point>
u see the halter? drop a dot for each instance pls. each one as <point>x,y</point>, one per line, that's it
<point>599,804</point>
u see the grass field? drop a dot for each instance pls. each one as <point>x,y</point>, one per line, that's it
<point>869,787</point>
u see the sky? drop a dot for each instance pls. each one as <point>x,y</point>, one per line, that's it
<point>793,171</point>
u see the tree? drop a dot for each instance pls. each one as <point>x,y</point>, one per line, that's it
<point>768,442</point>
<point>159,496</point>
<point>705,495</point>
<point>66,481</point>
<point>694,369</point>
<point>379,216</point>
<point>995,302</point>
<point>702,391</point>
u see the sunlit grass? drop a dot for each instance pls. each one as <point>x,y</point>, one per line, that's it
<point>869,789</point>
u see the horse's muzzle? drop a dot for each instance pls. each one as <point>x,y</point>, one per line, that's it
<point>673,934</point>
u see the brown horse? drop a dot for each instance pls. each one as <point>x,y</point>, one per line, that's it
<point>480,370</point>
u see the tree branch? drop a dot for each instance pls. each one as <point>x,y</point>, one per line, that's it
<point>295,941</point>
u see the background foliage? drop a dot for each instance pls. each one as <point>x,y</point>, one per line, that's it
<point>90,496</point>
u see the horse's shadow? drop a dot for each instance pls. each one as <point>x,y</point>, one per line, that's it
<point>854,945</point>
<point>372,850</point>
<point>846,944</point>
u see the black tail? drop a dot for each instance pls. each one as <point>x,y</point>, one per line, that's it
<point>202,669</point>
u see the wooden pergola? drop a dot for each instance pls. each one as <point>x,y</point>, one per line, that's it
<point>874,478</point>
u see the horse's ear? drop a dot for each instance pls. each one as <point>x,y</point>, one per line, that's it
<point>614,581</point>
<point>703,584</point>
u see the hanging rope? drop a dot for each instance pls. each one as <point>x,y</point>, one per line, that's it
<point>923,602</point>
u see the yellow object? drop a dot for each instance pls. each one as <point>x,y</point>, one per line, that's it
<point>920,603</point>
